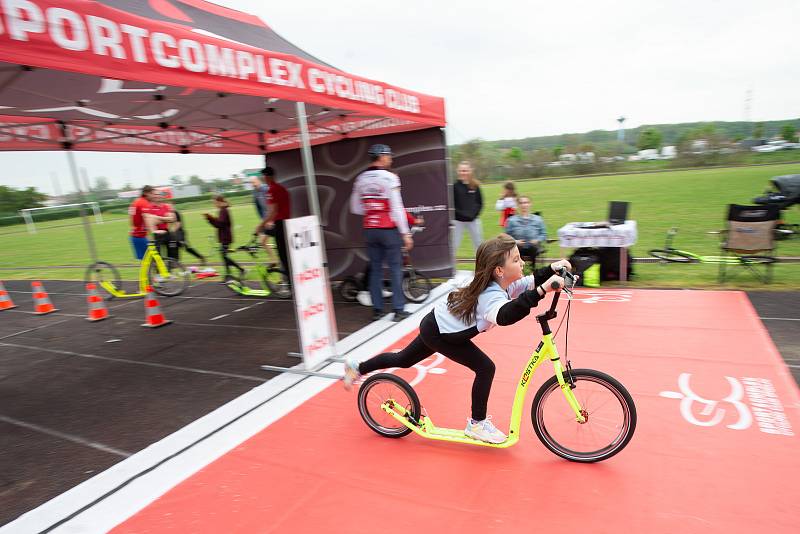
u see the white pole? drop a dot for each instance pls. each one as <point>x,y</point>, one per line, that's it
<point>86,227</point>
<point>308,163</point>
<point>26,214</point>
<point>448,165</point>
<point>98,215</point>
<point>313,203</point>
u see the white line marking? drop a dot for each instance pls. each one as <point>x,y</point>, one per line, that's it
<point>124,489</point>
<point>134,362</point>
<point>60,314</point>
<point>219,316</point>
<point>778,319</point>
<point>63,435</point>
<point>32,329</point>
<point>242,309</point>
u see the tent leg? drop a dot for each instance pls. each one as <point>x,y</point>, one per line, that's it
<point>86,225</point>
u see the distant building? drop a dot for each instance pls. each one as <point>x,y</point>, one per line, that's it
<point>748,144</point>
<point>699,146</point>
<point>172,191</point>
<point>669,152</point>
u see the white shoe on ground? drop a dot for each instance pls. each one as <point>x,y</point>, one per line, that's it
<point>484,431</point>
<point>363,298</point>
<point>351,373</point>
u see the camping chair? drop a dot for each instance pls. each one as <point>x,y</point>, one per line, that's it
<point>750,230</point>
<point>536,261</point>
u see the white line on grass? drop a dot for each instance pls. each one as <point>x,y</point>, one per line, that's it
<point>63,435</point>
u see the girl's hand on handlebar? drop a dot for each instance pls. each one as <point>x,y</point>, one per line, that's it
<point>554,283</point>
<point>561,264</point>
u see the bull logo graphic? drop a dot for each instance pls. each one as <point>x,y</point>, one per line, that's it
<point>706,412</point>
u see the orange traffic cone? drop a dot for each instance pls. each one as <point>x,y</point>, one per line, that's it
<point>97,306</point>
<point>41,302</point>
<point>152,311</point>
<point>5,301</point>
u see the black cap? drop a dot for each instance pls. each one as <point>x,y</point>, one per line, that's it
<point>378,150</point>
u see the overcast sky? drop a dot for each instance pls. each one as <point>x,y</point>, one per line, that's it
<point>510,69</point>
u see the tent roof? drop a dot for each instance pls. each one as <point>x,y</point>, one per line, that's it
<point>165,76</point>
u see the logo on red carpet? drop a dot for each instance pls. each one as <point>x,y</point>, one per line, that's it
<point>749,399</point>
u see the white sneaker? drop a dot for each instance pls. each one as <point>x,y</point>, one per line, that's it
<point>484,431</point>
<point>351,373</point>
<point>363,298</point>
<point>386,293</point>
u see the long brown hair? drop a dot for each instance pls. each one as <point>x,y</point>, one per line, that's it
<point>491,254</point>
<point>510,190</point>
<point>472,182</point>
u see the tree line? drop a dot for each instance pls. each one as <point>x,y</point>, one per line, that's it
<point>529,157</point>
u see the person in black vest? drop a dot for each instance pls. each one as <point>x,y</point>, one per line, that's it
<point>468,202</point>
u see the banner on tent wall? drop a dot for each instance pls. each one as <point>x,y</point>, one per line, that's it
<point>419,160</point>
<point>312,296</point>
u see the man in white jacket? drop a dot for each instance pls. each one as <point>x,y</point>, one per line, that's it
<point>376,196</point>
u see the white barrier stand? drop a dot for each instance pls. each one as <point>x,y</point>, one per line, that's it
<point>316,321</point>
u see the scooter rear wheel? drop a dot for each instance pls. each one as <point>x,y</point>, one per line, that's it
<point>381,388</point>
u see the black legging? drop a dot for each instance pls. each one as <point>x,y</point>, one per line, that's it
<point>457,347</point>
<point>174,251</point>
<point>280,243</point>
<point>223,249</point>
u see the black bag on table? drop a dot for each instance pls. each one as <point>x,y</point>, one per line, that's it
<point>582,259</point>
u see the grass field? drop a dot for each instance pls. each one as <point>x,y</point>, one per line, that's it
<point>695,201</point>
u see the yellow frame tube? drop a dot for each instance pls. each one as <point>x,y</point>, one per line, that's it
<point>546,350</point>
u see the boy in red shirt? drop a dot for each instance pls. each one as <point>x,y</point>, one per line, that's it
<point>142,220</point>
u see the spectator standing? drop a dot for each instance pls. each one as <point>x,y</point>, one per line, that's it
<point>179,239</point>
<point>279,209</point>
<point>163,210</point>
<point>260,193</point>
<point>527,229</point>
<point>223,223</point>
<point>507,203</point>
<point>468,202</point>
<point>143,220</point>
<point>376,196</point>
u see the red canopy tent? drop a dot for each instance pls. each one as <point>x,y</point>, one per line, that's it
<point>186,76</point>
<point>183,76</point>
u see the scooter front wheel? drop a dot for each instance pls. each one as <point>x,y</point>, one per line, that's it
<point>382,388</point>
<point>608,409</point>
<point>103,272</point>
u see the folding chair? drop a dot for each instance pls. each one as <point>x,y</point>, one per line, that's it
<point>535,262</point>
<point>750,230</point>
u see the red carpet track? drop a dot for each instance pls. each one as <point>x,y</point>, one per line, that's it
<point>715,449</point>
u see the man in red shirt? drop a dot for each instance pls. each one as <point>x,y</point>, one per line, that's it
<point>163,210</point>
<point>279,209</point>
<point>143,220</point>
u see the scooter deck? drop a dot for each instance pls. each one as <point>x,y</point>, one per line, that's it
<point>428,430</point>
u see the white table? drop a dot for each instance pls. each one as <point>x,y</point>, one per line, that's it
<point>588,234</point>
